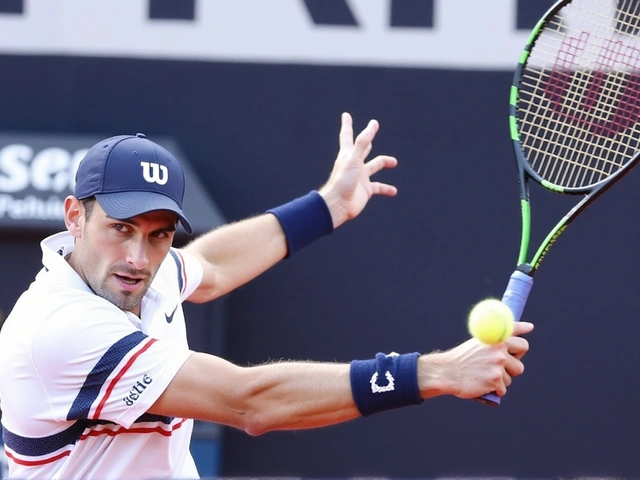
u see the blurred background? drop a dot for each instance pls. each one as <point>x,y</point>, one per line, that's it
<point>249,94</point>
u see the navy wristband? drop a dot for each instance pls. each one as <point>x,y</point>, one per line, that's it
<point>388,381</point>
<point>304,220</point>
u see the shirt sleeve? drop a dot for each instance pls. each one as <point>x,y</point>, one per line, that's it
<point>107,369</point>
<point>189,271</point>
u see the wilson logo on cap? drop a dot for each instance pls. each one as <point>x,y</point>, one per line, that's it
<point>154,173</point>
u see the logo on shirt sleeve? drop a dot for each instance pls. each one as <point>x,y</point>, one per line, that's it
<point>136,391</point>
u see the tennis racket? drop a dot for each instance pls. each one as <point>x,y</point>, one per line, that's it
<point>574,117</point>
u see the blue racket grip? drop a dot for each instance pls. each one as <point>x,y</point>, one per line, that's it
<point>515,297</point>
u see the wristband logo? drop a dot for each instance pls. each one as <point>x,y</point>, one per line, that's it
<point>389,387</point>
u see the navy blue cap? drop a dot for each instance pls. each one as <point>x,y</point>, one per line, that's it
<point>130,175</point>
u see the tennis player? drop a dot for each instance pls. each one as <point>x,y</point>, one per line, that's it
<point>96,378</point>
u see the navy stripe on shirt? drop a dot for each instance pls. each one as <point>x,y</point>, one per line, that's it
<point>38,446</point>
<point>176,258</point>
<point>98,376</point>
<point>34,447</point>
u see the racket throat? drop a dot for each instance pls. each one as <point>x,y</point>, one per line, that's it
<point>526,269</point>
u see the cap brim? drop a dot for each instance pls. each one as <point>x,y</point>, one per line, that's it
<point>124,205</point>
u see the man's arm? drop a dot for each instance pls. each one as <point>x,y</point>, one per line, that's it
<point>236,253</point>
<point>301,395</point>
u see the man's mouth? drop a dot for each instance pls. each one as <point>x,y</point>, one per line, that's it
<point>128,280</point>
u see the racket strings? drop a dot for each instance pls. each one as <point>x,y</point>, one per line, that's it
<point>578,107</point>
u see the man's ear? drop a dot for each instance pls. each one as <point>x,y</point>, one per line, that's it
<point>74,215</point>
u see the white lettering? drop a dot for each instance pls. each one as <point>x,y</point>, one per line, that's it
<point>14,172</point>
<point>31,208</point>
<point>50,170</point>
<point>155,173</point>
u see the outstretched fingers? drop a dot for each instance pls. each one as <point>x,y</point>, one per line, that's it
<point>383,189</point>
<point>345,137</point>
<point>364,141</point>
<point>380,162</point>
<point>376,165</point>
<point>349,187</point>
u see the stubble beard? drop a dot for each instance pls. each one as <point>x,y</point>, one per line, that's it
<point>124,300</point>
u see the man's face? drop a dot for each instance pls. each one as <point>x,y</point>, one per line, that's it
<point>118,259</point>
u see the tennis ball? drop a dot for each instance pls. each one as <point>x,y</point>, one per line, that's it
<point>491,321</point>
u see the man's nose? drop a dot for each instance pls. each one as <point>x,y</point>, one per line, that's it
<point>137,254</point>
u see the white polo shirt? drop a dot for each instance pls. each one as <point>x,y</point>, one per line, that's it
<point>77,375</point>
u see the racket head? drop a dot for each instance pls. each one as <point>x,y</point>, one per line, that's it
<point>575,98</point>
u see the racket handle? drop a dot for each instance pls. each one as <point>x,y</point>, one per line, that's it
<point>515,297</point>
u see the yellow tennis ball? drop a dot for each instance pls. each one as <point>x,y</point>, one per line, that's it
<point>491,321</point>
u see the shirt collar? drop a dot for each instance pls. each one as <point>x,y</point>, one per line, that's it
<point>54,250</point>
